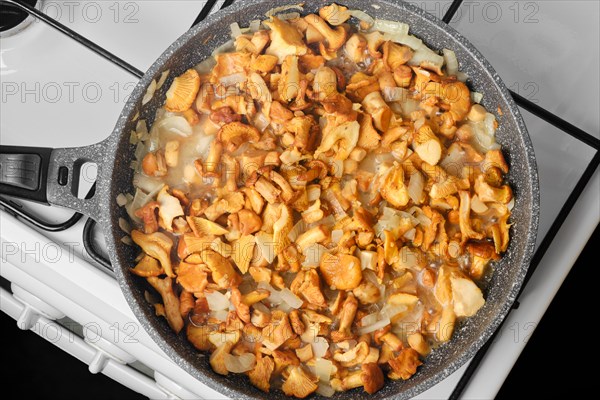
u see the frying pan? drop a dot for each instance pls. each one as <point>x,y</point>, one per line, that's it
<point>50,176</point>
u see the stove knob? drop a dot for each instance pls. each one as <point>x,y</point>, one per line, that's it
<point>98,362</point>
<point>28,318</point>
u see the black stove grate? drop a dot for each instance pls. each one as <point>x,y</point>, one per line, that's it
<point>533,108</point>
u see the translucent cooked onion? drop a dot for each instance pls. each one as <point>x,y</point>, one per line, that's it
<point>162,79</point>
<point>224,48</point>
<point>369,319</point>
<point>221,315</point>
<point>146,183</point>
<point>336,235</point>
<point>254,25</point>
<point>368,259</point>
<point>235,30</point>
<point>394,94</point>
<point>206,66</point>
<point>477,205</point>
<point>240,364</point>
<point>395,27</point>
<point>511,204</point>
<point>233,79</point>
<point>476,97</point>
<point>299,228</point>
<point>390,311</point>
<point>279,9</point>
<point>363,16</point>
<point>373,327</point>
<point>411,41</point>
<point>260,121</point>
<point>174,124</point>
<point>217,301</point>
<point>121,199</point>
<point>124,225</point>
<point>149,92</point>
<point>290,298</point>
<point>325,390</point>
<point>313,254</point>
<point>410,234</point>
<point>415,187</point>
<point>451,61</point>
<point>323,369</point>
<point>319,345</point>
<point>286,16</point>
<point>265,244</point>
<point>275,295</point>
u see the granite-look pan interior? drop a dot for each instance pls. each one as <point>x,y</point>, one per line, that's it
<point>195,46</point>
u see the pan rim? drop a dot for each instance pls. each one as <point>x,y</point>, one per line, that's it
<point>176,356</point>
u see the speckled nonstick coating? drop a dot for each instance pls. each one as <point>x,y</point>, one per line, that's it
<point>195,46</point>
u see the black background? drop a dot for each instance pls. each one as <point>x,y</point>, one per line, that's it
<point>550,366</point>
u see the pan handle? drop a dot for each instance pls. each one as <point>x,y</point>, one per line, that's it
<point>50,176</point>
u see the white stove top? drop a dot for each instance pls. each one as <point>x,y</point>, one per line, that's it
<point>56,93</point>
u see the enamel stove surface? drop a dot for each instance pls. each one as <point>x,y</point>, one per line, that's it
<point>56,93</point>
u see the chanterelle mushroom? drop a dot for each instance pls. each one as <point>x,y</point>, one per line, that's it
<point>157,245</point>
<point>299,384</point>
<point>286,40</point>
<point>165,288</point>
<point>261,374</point>
<point>341,271</point>
<point>405,365</point>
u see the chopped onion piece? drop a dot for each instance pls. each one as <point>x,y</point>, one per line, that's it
<point>279,9</point>
<point>217,301</point>
<point>174,124</point>
<point>319,345</point>
<point>426,55</point>
<point>415,187</point>
<point>368,260</point>
<point>265,243</point>
<point>373,327</point>
<point>224,48</point>
<point>511,204</point>
<point>369,319</point>
<point>409,40</point>
<point>261,122</point>
<point>206,66</point>
<point>325,390</point>
<point>390,311</point>
<point>162,79</point>
<point>235,30</point>
<point>299,228</point>
<point>410,234</point>
<point>451,62</point>
<point>313,193</point>
<point>461,76</point>
<point>149,92</point>
<point>124,225</point>
<point>383,25</point>
<point>394,94</point>
<point>233,79</point>
<point>286,16</point>
<point>262,308</point>
<point>363,16</point>
<point>221,315</point>
<point>240,364</point>
<point>476,97</point>
<point>336,235</point>
<point>254,25</point>
<point>477,205</point>
<point>127,240</point>
<point>323,369</point>
<point>290,298</point>
<point>275,296</point>
<point>121,200</point>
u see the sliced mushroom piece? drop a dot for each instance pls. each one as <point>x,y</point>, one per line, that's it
<point>222,271</point>
<point>285,39</point>
<point>334,14</point>
<point>335,38</point>
<point>378,109</point>
<point>347,314</point>
<point>289,81</point>
<point>341,271</point>
<point>467,297</point>
<point>260,376</point>
<point>234,134</point>
<point>354,356</point>
<point>171,302</point>
<point>156,245</point>
<point>487,192</point>
<point>395,55</point>
<point>192,277</point>
<point>355,47</point>
<point>405,365</point>
<point>368,137</point>
<point>299,384</point>
<point>393,189</point>
<point>198,336</point>
<point>418,342</point>
<point>169,208</point>
<point>147,267</point>
<point>427,145</point>
<point>217,358</point>
<point>374,41</point>
<point>183,91</point>
<point>277,331</point>
<point>464,210</point>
